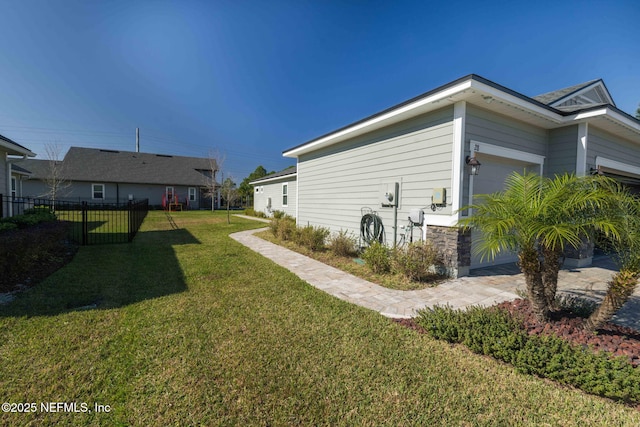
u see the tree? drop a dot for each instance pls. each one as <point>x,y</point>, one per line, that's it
<point>55,180</point>
<point>537,218</point>
<point>216,161</point>
<point>245,190</point>
<point>229,195</point>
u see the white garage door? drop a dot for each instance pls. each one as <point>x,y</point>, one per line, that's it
<point>493,172</point>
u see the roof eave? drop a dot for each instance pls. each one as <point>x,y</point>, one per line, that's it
<point>15,149</point>
<point>275,178</point>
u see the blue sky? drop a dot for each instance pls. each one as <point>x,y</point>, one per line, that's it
<point>249,79</point>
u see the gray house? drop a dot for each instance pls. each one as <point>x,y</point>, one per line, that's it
<point>434,152</point>
<point>9,174</point>
<point>276,192</point>
<point>97,175</point>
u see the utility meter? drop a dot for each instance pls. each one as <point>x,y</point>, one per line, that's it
<point>416,216</point>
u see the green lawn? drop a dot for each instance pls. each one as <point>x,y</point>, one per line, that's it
<point>191,328</point>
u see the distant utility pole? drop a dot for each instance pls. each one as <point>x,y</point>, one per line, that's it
<point>137,140</point>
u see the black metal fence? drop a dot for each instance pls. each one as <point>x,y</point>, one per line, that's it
<point>91,223</point>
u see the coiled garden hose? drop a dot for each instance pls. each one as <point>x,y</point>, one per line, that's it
<point>371,228</point>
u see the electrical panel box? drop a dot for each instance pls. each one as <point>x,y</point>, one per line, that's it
<point>439,197</point>
<point>389,194</point>
<point>416,216</point>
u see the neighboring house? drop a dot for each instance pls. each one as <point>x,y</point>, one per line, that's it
<point>427,145</point>
<point>96,175</point>
<point>276,192</point>
<point>9,184</point>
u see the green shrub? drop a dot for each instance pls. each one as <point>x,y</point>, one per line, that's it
<point>260,214</point>
<point>279,214</point>
<point>343,244</point>
<point>311,237</point>
<point>7,226</point>
<point>283,228</point>
<point>31,217</point>
<point>416,260</point>
<point>377,257</point>
<point>494,332</point>
<point>250,212</point>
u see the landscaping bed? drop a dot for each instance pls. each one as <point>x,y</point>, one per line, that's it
<point>29,255</point>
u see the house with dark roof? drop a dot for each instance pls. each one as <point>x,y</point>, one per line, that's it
<point>431,155</point>
<point>96,175</point>
<point>10,177</point>
<point>276,192</point>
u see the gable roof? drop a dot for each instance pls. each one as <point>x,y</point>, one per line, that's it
<point>96,165</point>
<point>577,97</point>
<point>483,93</point>
<point>290,171</point>
<point>19,170</point>
<point>14,148</point>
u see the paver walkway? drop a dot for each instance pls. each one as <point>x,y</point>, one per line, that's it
<point>484,287</point>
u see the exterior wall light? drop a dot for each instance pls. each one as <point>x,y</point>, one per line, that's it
<point>474,165</point>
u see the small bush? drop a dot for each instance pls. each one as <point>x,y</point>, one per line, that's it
<point>283,228</point>
<point>31,217</point>
<point>311,237</point>
<point>250,212</point>
<point>279,214</point>
<point>494,332</point>
<point>6,226</point>
<point>343,244</point>
<point>377,257</point>
<point>416,260</point>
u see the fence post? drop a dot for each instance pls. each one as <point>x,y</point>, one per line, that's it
<point>130,210</point>
<point>85,224</point>
<point>1,207</point>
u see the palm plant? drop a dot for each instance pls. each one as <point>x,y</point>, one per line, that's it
<point>537,218</point>
<point>626,249</point>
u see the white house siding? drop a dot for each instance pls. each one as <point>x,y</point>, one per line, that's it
<point>4,189</point>
<point>491,128</point>
<point>563,146</point>
<point>337,183</point>
<point>273,190</point>
<point>601,143</point>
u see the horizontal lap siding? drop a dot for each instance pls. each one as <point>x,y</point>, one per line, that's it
<point>563,146</point>
<point>274,191</point>
<point>606,145</point>
<point>491,128</point>
<point>336,183</point>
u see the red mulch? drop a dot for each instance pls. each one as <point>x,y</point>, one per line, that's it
<point>611,338</point>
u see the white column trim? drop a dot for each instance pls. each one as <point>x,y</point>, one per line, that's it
<point>581,154</point>
<point>297,188</point>
<point>457,154</point>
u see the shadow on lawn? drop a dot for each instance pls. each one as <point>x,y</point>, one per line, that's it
<point>109,276</point>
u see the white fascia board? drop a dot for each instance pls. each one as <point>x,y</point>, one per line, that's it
<point>512,99</point>
<point>15,150</point>
<point>587,114</point>
<point>386,119</point>
<point>614,164</point>
<point>608,113</point>
<point>277,178</point>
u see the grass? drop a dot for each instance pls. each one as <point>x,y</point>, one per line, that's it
<point>389,280</point>
<point>191,328</point>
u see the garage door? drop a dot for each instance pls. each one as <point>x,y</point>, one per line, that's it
<point>493,172</point>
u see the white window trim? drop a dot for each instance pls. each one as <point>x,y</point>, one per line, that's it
<point>14,187</point>
<point>285,185</point>
<point>93,192</point>
<point>614,164</point>
<point>192,192</point>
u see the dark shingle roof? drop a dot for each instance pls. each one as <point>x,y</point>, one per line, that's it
<point>288,171</point>
<point>90,164</point>
<point>551,97</point>
<point>21,150</point>
<point>19,169</point>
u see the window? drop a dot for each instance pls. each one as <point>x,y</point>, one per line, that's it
<point>192,194</point>
<point>97,191</point>
<point>285,197</point>
<point>14,187</point>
